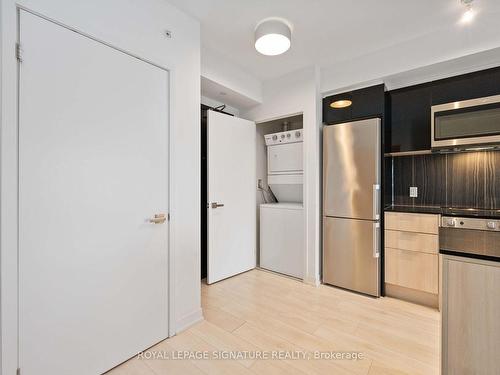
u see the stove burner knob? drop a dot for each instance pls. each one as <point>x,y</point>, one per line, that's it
<point>275,137</point>
<point>297,134</point>
<point>491,225</point>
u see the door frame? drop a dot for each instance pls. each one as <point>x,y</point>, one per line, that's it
<point>9,220</point>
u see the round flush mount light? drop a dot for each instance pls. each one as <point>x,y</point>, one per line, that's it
<point>341,103</point>
<point>273,36</point>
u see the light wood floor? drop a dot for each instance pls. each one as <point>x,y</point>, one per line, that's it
<point>261,311</point>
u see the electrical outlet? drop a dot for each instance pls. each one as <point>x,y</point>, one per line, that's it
<point>413,192</point>
<point>259,183</point>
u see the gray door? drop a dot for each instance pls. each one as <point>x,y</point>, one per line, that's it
<point>351,174</point>
<point>350,254</point>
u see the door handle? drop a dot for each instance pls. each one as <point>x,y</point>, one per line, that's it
<point>376,240</point>
<point>376,202</point>
<point>216,205</point>
<point>158,219</point>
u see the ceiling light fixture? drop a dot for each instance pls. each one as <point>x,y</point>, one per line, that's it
<point>273,36</point>
<point>469,13</point>
<point>341,104</point>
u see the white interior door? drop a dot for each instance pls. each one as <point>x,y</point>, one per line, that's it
<point>231,183</point>
<point>93,169</point>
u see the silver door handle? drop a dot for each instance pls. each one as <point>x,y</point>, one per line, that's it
<point>158,219</point>
<point>376,240</point>
<point>376,202</point>
<point>216,205</point>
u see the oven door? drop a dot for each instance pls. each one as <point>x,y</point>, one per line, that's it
<point>469,122</point>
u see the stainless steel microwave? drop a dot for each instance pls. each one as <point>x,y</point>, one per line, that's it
<point>466,123</point>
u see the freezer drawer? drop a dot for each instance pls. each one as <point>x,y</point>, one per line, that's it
<point>351,257</point>
<point>351,170</point>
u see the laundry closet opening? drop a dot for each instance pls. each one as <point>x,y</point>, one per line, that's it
<point>280,209</point>
<point>277,182</point>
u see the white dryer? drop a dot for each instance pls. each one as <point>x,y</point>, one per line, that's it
<point>285,165</point>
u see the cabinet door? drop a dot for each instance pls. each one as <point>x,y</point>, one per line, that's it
<point>467,86</point>
<point>412,270</point>
<point>336,115</point>
<point>368,102</point>
<point>471,311</point>
<point>410,119</point>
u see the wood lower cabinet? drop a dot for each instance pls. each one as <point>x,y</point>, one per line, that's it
<point>411,269</point>
<point>470,316</point>
<point>411,257</point>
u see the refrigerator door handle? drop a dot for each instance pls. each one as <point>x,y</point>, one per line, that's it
<point>376,202</point>
<point>376,240</point>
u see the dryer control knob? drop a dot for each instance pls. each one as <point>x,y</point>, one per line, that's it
<point>275,137</point>
<point>297,134</point>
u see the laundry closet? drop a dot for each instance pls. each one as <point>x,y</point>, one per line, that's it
<point>252,212</point>
<point>280,175</point>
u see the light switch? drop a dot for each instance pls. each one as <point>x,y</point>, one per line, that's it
<point>413,192</point>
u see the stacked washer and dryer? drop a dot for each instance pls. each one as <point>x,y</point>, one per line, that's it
<point>282,223</point>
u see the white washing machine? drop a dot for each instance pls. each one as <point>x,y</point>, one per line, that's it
<point>282,238</point>
<point>282,226</point>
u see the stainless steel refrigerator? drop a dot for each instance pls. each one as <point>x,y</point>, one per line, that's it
<point>351,205</point>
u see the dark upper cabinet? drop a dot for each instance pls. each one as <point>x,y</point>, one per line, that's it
<point>467,86</point>
<point>368,102</point>
<point>409,109</point>
<point>410,119</point>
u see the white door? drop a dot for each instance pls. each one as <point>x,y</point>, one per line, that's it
<point>93,169</point>
<point>231,196</point>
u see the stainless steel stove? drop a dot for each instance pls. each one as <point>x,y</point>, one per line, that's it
<point>471,236</point>
<point>471,212</point>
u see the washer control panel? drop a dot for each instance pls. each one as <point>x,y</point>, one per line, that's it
<point>290,136</point>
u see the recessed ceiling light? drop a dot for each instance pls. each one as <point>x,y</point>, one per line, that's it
<point>273,36</point>
<point>469,12</point>
<point>341,103</point>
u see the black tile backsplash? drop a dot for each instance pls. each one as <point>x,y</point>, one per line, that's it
<point>430,177</point>
<point>403,179</point>
<point>470,180</point>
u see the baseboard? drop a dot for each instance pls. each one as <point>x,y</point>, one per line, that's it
<point>311,280</point>
<point>412,295</point>
<point>188,320</point>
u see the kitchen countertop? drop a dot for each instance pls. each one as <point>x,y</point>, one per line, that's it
<point>415,209</point>
<point>447,211</point>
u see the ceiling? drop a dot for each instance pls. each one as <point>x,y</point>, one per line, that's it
<point>326,32</point>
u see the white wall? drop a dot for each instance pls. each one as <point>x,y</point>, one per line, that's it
<point>137,27</point>
<point>452,43</point>
<point>293,94</point>
<point>218,68</point>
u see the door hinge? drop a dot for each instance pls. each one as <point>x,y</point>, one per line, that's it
<point>19,52</point>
